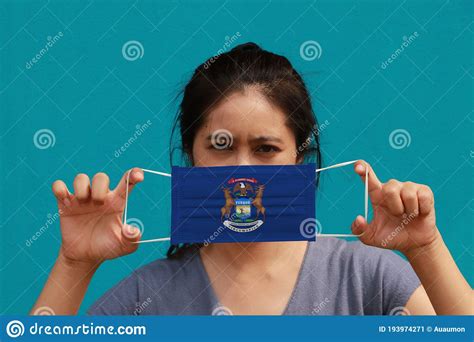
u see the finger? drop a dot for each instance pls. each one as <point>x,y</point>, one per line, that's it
<point>61,192</point>
<point>100,187</point>
<point>136,176</point>
<point>373,183</point>
<point>425,200</point>
<point>130,233</point>
<point>409,197</point>
<point>392,199</point>
<point>359,225</point>
<point>129,247</point>
<point>129,236</point>
<point>82,188</point>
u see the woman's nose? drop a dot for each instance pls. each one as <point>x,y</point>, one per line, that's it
<point>243,158</point>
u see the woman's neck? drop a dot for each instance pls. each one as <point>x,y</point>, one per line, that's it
<point>254,257</point>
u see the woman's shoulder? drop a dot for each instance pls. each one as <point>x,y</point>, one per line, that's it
<point>153,288</point>
<point>378,280</point>
<point>354,257</point>
<point>340,251</point>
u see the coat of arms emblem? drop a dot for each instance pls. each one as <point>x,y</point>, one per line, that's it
<point>243,210</point>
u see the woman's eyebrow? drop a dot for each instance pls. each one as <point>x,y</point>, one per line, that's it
<point>266,138</point>
<point>258,139</point>
<point>210,137</point>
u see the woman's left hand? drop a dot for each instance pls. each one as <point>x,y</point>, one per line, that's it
<point>403,214</point>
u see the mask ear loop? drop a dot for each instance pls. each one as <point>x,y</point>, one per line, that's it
<point>366,196</point>
<point>125,210</point>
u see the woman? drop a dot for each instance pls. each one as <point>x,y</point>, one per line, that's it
<point>258,97</point>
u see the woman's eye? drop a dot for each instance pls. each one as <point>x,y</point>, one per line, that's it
<point>221,147</point>
<point>267,149</point>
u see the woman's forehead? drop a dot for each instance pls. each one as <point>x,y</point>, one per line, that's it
<point>246,112</point>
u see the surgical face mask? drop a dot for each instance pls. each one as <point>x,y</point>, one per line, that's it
<point>244,203</point>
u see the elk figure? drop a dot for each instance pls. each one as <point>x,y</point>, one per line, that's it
<point>257,202</point>
<point>229,203</point>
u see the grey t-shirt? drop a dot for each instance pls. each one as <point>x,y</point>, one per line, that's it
<point>336,278</point>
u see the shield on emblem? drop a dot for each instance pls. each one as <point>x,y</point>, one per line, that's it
<point>243,208</point>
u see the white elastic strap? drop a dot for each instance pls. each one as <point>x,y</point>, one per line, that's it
<point>366,195</point>
<point>317,170</point>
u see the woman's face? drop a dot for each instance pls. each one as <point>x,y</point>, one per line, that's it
<point>258,130</point>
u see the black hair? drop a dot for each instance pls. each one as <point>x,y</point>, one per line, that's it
<point>246,65</point>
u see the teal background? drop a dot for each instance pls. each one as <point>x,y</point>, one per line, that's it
<point>92,98</point>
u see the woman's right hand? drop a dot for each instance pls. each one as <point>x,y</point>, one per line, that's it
<point>91,219</point>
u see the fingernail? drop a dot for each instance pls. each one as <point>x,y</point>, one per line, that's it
<point>360,167</point>
<point>132,231</point>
